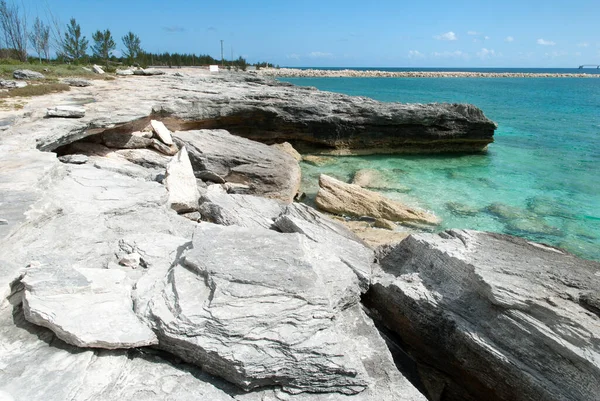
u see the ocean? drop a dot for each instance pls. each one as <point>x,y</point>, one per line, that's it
<point>540,179</point>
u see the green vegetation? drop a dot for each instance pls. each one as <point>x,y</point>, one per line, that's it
<point>39,38</point>
<point>74,45</point>
<point>103,45</point>
<point>133,47</point>
<point>36,90</point>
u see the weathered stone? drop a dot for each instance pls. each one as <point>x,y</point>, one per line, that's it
<point>347,199</point>
<point>148,71</point>
<point>492,317</point>
<point>385,224</point>
<point>27,74</point>
<point>67,301</point>
<point>299,218</point>
<point>8,84</point>
<point>207,175</point>
<point>318,161</point>
<point>74,159</point>
<point>219,207</point>
<point>260,321</point>
<point>181,184</point>
<point>267,171</point>
<point>462,209</point>
<point>78,82</point>
<point>66,111</point>
<point>289,149</point>
<point>234,188</point>
<point>162,132</point>
<point>143,134</point>
<point>374,237</point>
<point>97,69</point>
<point>124,72</point>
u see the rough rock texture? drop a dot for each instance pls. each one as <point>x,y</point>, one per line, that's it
<point>181,184</point>
<point>8,84</point>
<point>74,159</point>
<point>77,82</point>
<point>348,199</point>
<point>85,307</point>
<point>28,74</point>
<point>124,72</point>
<point>260,321</point>
<point>66,111</point>
<point>493,317</point>
<point>267,171</point>
<point>289,149</point>
<point>148,72</point>
<point>270,112</point>
<point>219,207</point>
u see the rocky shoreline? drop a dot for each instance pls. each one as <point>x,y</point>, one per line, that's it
<point>146,252</point>
<point>313,73</point>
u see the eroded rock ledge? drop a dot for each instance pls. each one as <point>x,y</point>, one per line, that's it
<point>271,112</point>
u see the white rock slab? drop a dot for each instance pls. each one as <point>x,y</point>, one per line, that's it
<point>181,183</point>
<point>162,132</point>
<point>66,111</point>
<point>124,72</point>
<point>85,307</point>
<point>97,69</point>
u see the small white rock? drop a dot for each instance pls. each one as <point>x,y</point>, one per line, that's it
<point>162,132</point>
<point>97,69</point>
<point>66,111</point>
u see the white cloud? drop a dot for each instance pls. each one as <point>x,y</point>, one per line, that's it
<point>486,37</point>
<point>454,54</point>
<point>446,36</point>
<point>584,44</point>
<point>319,55</point>
<point>473,33</point>
<point>544,42</point>
<point>293,56</point>
<point>412,54</point>
<point>485,54</point>
<point>556,54</point>
<point>509,39</point>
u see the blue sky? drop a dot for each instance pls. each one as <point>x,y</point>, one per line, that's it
<point>434,33</point>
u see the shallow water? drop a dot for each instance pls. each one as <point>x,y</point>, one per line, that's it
<point>539,180</point>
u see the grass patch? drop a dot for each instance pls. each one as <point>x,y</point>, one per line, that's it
<point>36,90</point>
<point>50,71</point>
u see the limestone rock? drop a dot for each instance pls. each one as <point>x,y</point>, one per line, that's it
<point>162,132</point>
<point>207,175</point>
<point>289,149</point>
<point>78,82</point>
<point>148,72</point>
<point>267,171</point>
<point>85,307</point>
<point>299,218</point>
<point>347,199</point>
<point>124,72</point>
<point>260,319</point>
<point>27,75</point>
<point>8,84</point>
<point>74,159</point>
<point>368,178</point>
<point>66,111</point>
<point>97,69</point>
<point>181,184</point>
<point>318,161</point>
<point>489,316</point>
<point>219,207</point>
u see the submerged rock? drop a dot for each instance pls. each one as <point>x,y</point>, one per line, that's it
<point>318,161</point>
<point>347,199</point>
<point>462,209</point>
<point>494,317</point>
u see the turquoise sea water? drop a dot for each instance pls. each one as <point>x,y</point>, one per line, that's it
<point>539,180</point>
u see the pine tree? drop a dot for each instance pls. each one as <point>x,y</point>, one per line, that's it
<point>133,47</point>
<point>39,38</point>
<point>104,45</point>
<point>75,45</point>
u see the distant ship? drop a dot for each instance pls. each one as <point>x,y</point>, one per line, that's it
<point>589,66</point>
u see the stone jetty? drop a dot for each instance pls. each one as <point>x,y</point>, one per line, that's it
<point>310,73</point>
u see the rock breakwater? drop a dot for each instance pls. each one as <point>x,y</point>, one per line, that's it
<point>314,73</point>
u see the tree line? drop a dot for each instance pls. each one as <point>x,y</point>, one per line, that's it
<point>70,45</point>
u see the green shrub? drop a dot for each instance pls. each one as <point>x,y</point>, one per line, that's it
<point>36,90</point>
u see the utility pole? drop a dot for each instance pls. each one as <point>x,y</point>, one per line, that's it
<point>222,60</point>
